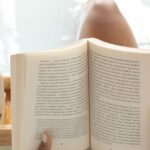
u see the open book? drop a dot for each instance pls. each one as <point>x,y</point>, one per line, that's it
<point>90,93</point>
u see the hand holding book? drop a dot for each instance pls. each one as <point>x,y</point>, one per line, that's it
<point>45,143</point>
<point>87,94</point>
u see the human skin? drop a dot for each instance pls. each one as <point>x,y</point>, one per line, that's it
<point>45,143</point>
<point>103,21</point>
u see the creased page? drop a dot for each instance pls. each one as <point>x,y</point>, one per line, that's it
<point>120,97</point>
<point>56,99</point>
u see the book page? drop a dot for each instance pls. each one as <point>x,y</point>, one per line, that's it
<point>119,97</point>
<point>17,90</point>
<point>56,99</point>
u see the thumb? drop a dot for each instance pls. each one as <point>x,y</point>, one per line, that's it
<point>46,142</point>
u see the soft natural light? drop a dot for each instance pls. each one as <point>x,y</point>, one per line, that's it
<point>137,12</point>
<point>8,34</point>
<point>33,25</point>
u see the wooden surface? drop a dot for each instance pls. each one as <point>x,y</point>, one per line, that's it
<point>5,130</point>
<point>5,135</point>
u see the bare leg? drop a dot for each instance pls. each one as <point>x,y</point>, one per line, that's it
<point>105,21</point>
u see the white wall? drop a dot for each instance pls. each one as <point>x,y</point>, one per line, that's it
<point>42,24</point>
<point>31,25</point>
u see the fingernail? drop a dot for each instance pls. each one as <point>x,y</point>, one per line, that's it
<point>44,138</point>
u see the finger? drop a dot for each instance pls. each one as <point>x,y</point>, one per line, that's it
<point>46,142</point>
<point>46,139</point>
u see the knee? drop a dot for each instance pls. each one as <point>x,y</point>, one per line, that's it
<point>103,10</point>
<point>104,6</point>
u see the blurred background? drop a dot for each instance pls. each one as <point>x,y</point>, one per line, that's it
<point>34,25</point>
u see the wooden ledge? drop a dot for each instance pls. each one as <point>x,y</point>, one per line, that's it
<point>5,135</point>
